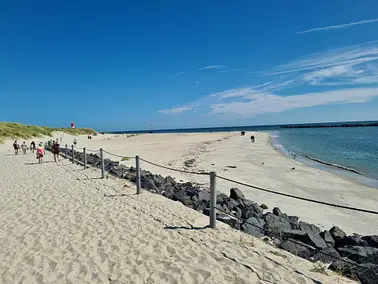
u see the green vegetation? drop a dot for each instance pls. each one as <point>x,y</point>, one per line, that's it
<point>13,130</point>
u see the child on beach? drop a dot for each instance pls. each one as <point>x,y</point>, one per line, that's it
<point>40,153</point>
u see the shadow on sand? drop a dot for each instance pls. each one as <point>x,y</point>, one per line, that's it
<point>185,228</point>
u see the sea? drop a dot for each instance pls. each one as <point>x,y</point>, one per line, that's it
<point>348,151</point>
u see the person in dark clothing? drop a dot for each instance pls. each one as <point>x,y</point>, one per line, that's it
<point>253,139</point>
<point>55,150</point>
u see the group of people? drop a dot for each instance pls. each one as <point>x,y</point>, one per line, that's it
<point>54,146</point>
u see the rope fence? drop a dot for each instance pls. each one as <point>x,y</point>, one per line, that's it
<point>213,198</point>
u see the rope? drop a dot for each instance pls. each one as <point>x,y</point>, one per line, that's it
<point>295,242</point>
<point>299,198</point>
<point>173,169</point>
<point>119,156</point>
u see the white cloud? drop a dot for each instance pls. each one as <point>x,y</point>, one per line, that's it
<point>175,110</point>
<point>268,103</point>
<point>342,26</point>
<point>212,67</point>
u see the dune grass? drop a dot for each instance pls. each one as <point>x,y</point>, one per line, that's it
<point>13,130</point>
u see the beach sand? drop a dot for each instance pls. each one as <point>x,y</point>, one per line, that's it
<point>61,224</point>
<point>256,164</point>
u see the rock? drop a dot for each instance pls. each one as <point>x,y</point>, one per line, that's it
<point>237,212</point>
<point>351,241</point>
<point>221,197</point>
<point>293,220</point>
<point>203,195</point>
<point>276,211</point>
<point>313,233</point>
<point>263,206</point>
<point>171,180</point>
<point>158,180</point>
<point>235,193</point>
<point>201,206</point>
<point>371,240</point>
<point>130,176</point>
<point>234,223</point>
<point>187,201</point>
<point>179,195</point>
<point>254,226</point>
<point>119,171</point>
<point>275,225</point>
<point>147,183</point>
<point>132,170</point>
<point>327,255</point>
<point>296,248</point>
<point>168,193</point>
<point>232,204</point>
<point>360,254</point>
<point>326,235</point>
<point>252,210</point>
<point>367,273</point>
<point>191,191</point>
<point>189,163</point>
<point>337,233</point>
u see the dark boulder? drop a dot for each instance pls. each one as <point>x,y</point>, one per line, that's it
<point>202,195</point>
<point>337,233</point>
<point>351,241</point>
<point>360,254</point>
<point>168,192</point>
<point>366,273</point>
<point>187,201</point>
<point>253,210</point>
<point>191,191</point>
<point>233,222</point>
<point>148,183</point>
<point>275,225</point>
<point>326,235</point>
<point>276,211</point>
<point>201,206</point>
<point>237,212</point>
<point>304,237</point>
<point>235,193</point>
<point>293,220</point>
<point>130,176</point>
<point>297,248</point>
<point>313,233</point>
<point>179,195</point>
<point>232,204</point>
<point>263,207</point>
<point>254,226</point>
<point>371,240</point>
<point>326,255</point>
<point>171,180</point>
<point>221,197</point>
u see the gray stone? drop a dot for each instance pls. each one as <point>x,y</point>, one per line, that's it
<point>337,233</point>
<point>275,225</point>
<point>147,183</point>
<point>221,197</point>
<point>263,206</point>
<point>366,273</point>
<point>313,233</point>
<point>252,210</point>
<point>371,240</point>
<point>187,201</point>
<point>293,220</point>
<point>171,180</point>
<point>296,248</point>
<point>237,212</point>
<point>326,235</point>
<point>326,255</point>
<point>360,254</point>
<point>351,241</point>
<point>203,195</point>
<point>235,193</point>
<point>254,226</point>
<point>276,211</point>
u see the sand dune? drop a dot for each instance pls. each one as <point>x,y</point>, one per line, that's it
<point>61,224</point>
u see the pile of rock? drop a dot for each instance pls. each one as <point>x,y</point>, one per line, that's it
<point>354,256</point>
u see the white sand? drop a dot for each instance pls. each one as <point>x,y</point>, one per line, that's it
<point>216,151</point>
<point>61,224</point>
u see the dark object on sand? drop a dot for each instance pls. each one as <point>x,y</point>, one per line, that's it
<point>253,139</point>
<point>242,133</point>
<point>293,168</point>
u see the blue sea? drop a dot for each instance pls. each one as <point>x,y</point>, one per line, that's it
<point>354,148</point>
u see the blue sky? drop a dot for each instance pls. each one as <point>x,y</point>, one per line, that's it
<point>123,65</point>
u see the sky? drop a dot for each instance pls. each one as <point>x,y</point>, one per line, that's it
<point>126,65</point>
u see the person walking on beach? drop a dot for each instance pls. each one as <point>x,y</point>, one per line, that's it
<point>32,146</point>
<point>56,150</point>
<point>24,147</point>
<point>253,139</point>
<point>15,147</point>
<point>40,153</point>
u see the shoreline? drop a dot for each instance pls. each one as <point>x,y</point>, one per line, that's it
<point>347,173</point>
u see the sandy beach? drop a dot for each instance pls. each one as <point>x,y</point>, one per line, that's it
<point>61,224</point>
<point>234,156</point>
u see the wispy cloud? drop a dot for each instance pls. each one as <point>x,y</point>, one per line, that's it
<point>339,76</point>
<point>181,73</point>
<point>175,110</point>
<point>342,26</point>
<point>212,67</point>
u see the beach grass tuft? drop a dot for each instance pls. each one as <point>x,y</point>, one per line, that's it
<point>14,130</point>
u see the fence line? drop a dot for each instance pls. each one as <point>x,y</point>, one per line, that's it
<point>213,205</point>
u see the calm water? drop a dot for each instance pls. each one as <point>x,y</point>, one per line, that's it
<point>355,148</point>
